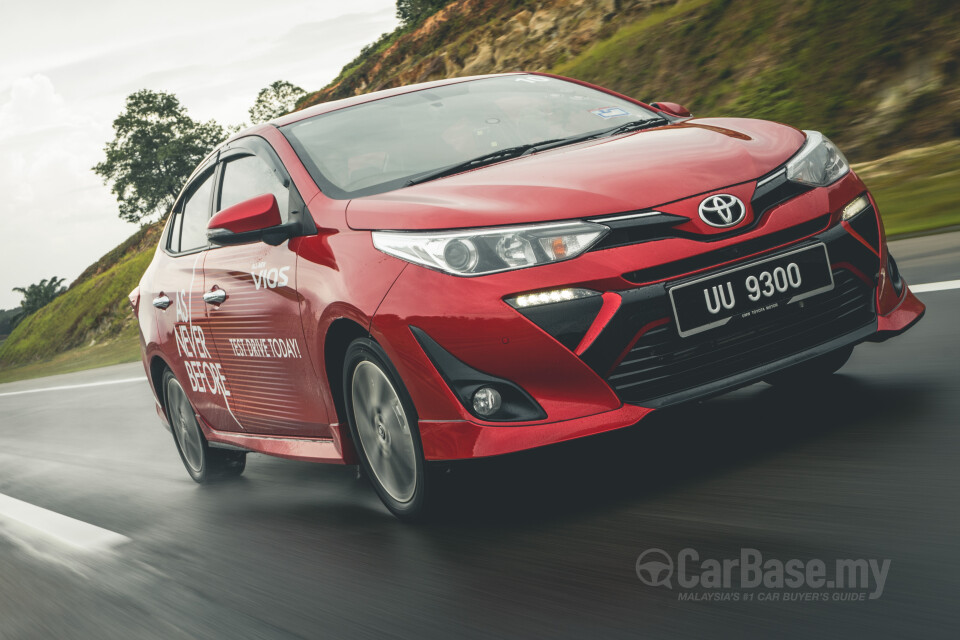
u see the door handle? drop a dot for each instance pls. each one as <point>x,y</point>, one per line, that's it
<point>215,296</point>
<point>161,302</point>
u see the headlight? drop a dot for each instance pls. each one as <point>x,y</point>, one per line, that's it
<point>818,163</point>
<point>474,252</point>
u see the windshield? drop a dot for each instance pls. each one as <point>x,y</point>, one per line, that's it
<point>385,144</point>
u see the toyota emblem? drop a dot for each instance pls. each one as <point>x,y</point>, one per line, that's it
<point>722,210</point>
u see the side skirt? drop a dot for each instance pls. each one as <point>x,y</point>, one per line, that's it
<point>291,448</point>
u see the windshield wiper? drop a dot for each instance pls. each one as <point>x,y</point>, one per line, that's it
<point>526,149</point>
<point>479,161</point>
<point>499,155</point>
<point>559,142</point>
<point>634,125</point>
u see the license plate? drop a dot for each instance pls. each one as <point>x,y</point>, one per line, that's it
<point>751,290</point>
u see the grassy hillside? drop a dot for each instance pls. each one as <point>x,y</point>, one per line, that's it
<point>878,75</point>
<point>917,189</point>
<point>94,309</point>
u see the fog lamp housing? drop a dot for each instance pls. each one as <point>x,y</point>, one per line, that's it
<point>486,401</point>
<point>486,397</point>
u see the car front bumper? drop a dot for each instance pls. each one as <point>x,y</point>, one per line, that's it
<point>594,368</point>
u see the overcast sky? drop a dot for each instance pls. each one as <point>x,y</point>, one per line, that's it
<point>66,68</point>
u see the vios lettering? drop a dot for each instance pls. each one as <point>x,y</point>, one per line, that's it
<point>269,278</point>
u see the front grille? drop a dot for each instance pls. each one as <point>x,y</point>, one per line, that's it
<point>634,227</point>
<point>774,192</point>
<point>662,363</point>
<point>719,256</point>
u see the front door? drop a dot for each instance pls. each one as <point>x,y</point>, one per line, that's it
<point>256,329</point>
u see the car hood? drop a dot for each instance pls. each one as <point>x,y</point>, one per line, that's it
<point>612,175</point>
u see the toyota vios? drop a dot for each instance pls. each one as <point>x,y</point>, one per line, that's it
<point>476,266</point>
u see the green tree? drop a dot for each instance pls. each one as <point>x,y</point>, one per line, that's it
<point>155,148</point>
<point>37,295</point>
<point>413,11</point>
<point>8,320</point>
<point>278,99</point>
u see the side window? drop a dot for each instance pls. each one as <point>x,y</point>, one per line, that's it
<point>250,176</point>
<point>173,240</point>
<point>196,214</point>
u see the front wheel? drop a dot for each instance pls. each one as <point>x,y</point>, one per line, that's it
<point>811,371</point>
<point>203,463</point>
<point>383,425</point>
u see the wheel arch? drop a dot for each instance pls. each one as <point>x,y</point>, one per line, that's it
<point>340,334</point>
<point>157,366</point>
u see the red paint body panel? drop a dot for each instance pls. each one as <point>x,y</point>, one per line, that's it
<point>291,448</point>
<point>271,337</point>
<point>459,440</point>
<point>336,287</point>
<point>259,337</point>
<point>611,303</point>
<point>906,313</point>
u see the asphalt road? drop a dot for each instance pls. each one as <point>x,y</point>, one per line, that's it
<point>540,544</point>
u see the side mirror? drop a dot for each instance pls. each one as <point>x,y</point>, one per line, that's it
<point>254,220</point>
<point>672,109</point>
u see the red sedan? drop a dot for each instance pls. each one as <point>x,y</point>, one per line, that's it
<point>476,266</point>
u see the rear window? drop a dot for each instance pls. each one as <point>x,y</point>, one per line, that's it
<point>379,146</point>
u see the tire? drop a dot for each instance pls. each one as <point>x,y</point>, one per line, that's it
<point>811,371</point>
<point>204,463</point>
<point>383,424</point>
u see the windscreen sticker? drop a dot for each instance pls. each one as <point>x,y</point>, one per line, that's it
<point>609,112</point>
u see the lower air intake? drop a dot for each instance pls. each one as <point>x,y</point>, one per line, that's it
<point>662,363</point>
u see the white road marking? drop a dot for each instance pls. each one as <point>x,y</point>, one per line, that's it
<point>935,286</point>
<point>75,533</point>
<point>74,386</point>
